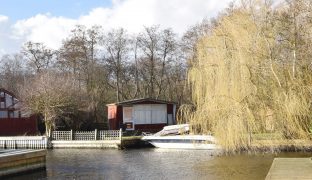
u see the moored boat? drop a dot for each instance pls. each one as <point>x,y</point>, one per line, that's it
<point>178,137</point>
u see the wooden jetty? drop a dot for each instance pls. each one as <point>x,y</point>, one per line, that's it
<point>290,168</point>
<point>19,161</point>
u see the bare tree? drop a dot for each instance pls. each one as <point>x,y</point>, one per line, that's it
<point>116,45</point>
<point>12,73</point>
<point>167,47</point>
<point>51,95</point>
<point>38,55</point>
<point>148,42</point>
<point>79,55</point>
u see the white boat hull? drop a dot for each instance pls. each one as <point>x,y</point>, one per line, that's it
<point>184,146</point>
<point>182,142</point>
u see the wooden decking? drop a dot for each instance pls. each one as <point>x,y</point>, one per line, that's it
<point>19,161</point>
<point>290,168</point>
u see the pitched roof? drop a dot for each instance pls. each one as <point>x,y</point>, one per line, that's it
<point>134,101</point>
<point>7,92</point>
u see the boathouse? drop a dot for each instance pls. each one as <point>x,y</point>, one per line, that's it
<point>14,121</point>
<point>145,114</point>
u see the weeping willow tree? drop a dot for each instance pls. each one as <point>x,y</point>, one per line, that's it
<point>239,87</point>
<point>221,82</point>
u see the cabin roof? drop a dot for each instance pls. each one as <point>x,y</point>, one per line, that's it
<point>142,100</point>
<point>7,92</point>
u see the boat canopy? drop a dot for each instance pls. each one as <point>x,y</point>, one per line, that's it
<point>174,129</point>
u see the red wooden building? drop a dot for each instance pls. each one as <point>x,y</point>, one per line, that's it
<point>141,114</point>
<point>13,121</point>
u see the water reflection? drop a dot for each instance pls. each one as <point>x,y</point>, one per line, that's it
<point>154,164</point>
<point>40,174</point>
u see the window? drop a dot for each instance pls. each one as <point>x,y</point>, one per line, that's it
<point>159,113</point>
<point>2,105</point>
<point>8,100</point>
<point>16,114</point>
<point>3,114</point>
<point>150,114</point>
<point>127,114</point>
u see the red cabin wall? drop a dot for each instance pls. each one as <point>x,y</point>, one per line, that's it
<point>114,117</point>
<point>112,113</point>
<point>18,126</point>
<point>119,116</point>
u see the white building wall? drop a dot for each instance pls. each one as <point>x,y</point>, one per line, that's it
<point>150,114</point>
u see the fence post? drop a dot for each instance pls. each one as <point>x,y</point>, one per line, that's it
<point>120,134</point>
<point>71,135</point>
<point>95,134</point>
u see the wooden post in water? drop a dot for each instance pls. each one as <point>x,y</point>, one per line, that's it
<point>71,135</point>
<point>95,134</point>
<point>120,139</point>
<point>120,134</point>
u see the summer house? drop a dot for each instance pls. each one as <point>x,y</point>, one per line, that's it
<point>141,114</point>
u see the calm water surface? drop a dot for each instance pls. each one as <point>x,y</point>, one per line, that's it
<point>154,164</point>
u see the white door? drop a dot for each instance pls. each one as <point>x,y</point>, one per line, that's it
<point>127,118</point>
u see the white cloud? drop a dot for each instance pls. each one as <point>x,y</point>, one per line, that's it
<point>3,18</point>
<point>43,28</point>
<point>129,14</point>
<point>6,44</point>
<point>2,52</point>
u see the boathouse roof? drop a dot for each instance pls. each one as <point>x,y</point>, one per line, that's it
<point>142,101</point>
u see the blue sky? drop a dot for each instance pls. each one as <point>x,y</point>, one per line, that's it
<point>21,9</point>
<point>50,21</point>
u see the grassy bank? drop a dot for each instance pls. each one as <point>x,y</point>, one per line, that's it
<point>281,145</point>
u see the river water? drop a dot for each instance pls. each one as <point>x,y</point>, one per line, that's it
<point>153,163</point>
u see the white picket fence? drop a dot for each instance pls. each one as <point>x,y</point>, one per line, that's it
<point>72,139</point>
<point>24,142</point>
<point>110,135</point>
<point>62,135</point>
<point>87,135</point>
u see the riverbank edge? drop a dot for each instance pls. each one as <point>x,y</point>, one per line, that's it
<point>275,146</point>
<point>20,161</point>
<point>282,145</point>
